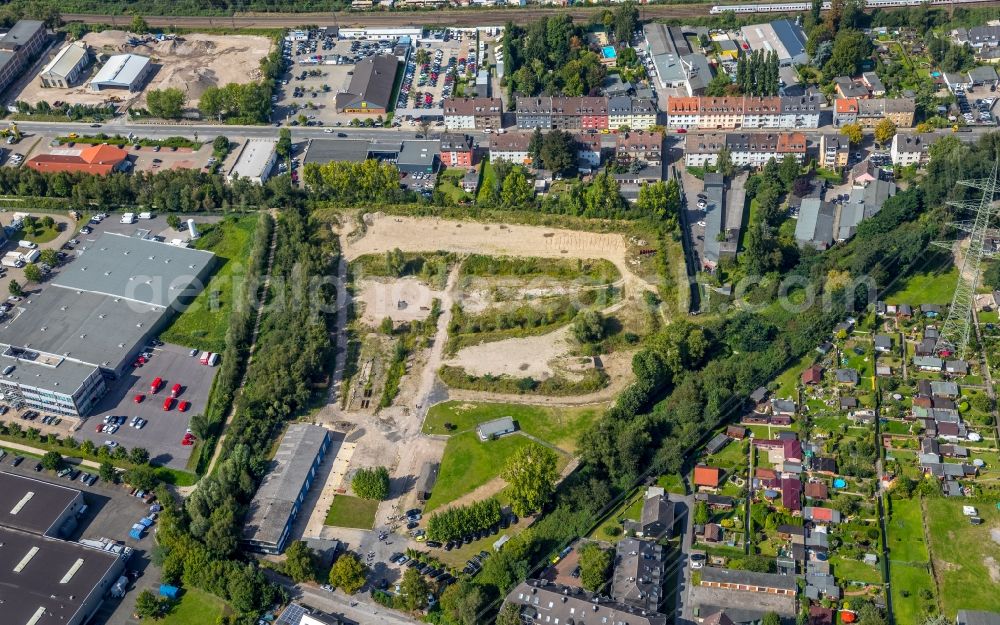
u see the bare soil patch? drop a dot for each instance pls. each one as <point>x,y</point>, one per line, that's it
<point>536,357</point>
<point>402,300</point>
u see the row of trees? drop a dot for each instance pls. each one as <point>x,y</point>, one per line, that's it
<point>367,182</point>
<point>371,483</point>
<point>459,521</point>
<point>757,74</point>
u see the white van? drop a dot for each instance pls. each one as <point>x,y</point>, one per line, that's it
<point>128,218</point>
<point>27,244</point>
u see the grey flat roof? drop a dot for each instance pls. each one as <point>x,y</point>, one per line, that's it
<point>751,578</point>
<point>65,377</point>
<point>21,32</point>
<point>496,426</point>
<point>255,159</point>
<point>55,578</point>
<point>275,499</point>
<point>32,505</point>
<point>121,70</point>
<point>141,270</point>
<point>324,151</point>
<point>418,152</point>
<point>80,326</point>
<point>67,59</point>
<point>714,214</point>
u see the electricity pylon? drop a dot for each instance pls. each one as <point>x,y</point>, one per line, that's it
<point>954,335</point>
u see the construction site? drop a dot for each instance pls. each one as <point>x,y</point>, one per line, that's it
<point>191,63</point>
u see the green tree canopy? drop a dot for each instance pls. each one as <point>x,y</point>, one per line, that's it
<point>165,103</point>
<point>348,573</point>
<point>371,483</point>
<point>595,563</point>
<point>531,474</point>
<point>300,562</point>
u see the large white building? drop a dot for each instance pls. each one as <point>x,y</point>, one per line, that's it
<point>122,71</point>
<point>748,112</point>
<point>66,67</point>
<point>255,161</point>
<point>911,149</point>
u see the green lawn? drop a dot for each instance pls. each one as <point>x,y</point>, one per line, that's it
<point>906,533</point>
<point>788,381</point>
<point>559,426</point>
<point>468,463</point>
<point>630,508</point>
<point>963,556</point>
<point>39,234</point>
<point>449,183</point>
<point>933,286</point>
<point>731,457</point>
<point>195,607</point>
<point>347,511</point>
<point>907,581</point>
<point>203,325</point>
<point>846,569</point>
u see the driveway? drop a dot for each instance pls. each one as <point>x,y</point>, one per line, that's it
<point>685,612</point>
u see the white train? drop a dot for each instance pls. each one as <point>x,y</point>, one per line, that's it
<point>794,7</point>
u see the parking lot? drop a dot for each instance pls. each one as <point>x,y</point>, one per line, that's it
<point>444,66</point>
<point>164,429</point>
<point>977,112</point>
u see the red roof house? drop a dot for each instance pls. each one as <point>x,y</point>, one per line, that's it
<point>812,375</point>
<point>707,476</point>
<point>93,159</point>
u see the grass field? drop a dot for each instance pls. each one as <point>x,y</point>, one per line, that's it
<point>935,285</point>
<point>906,533</point>
<point>966,559</point>
<point>558,426</point>
<point>347,511</point>
<point>195,607</point>
<point>846,569</point>
<point>203,325</point>
<point>40,234</point>
<point>449,183</point>
<point>908,582</point>
<point>788,381</point>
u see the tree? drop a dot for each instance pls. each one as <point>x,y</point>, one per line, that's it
<point>300,562</point>
<point>853,133</point>
<point>531,473</point>
<point>284,147</point>
<point>220,145</point>
<point>724,163</point>
<point>138,25</point>
<point>165,103</point>
<point>33,273</point>
<point>15,288</point>
<point>701,515</point>
<point>48,222</point>
<point>174,221</point>
<point>885,130</point>
<point>626,20</point>
<point>371,483</point>
<point>509,615</point>
<point>414,589</point>
<point>348,574</point>
<point>386,327</point>
<point>588,326</point>
<point>52,460</point>
<point>789,170</point>
<point>107,470</point>
<point>594,566</point>
<point>771,618</point>
<point>850,48</point>
<point>558,152</point>
<point>49,256</point>
<point>148,605</point>
<point>200,425</point>
<point>142,477</point>
<point>87,447</point>
<point>462,602</point>
<point>138,455</point>
<point>516,191</point>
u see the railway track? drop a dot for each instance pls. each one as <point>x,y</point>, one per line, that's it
<point>445,17</point>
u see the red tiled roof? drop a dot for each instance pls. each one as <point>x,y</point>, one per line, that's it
<point>95,159</point>
<point>707,476</point>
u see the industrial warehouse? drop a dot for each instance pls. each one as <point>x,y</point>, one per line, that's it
<point>49,580</point>
<point>63,346</point>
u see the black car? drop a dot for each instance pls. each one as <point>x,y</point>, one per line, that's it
<point>75,473</point>
<point>411,525</point>
<point>394,557</point>
<point>433,544</point>
<point>38,466</point>
<point>448,546</point>
<point>18,460</point>
<point>411,563</point>
<point>432,572</point>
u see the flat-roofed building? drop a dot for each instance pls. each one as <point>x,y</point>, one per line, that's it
<point>37,506</point>
<point>496,428</point>
<point>52,582</point>
<point>93,319</point>
<point>122,71</point>
<point>323,151</point>
<point>20,45</point>
<point>419,156</point>
<point>255,161</point>
<point>370,89</point>
<point>784,37</point>
<point>278,500</point>
<point>65,68</point>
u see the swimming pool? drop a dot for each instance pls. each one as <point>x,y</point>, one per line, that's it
<point>839,483</point>
<point>609,52</point>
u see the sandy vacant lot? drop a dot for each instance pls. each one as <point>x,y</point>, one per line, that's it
<point>414,234</point>
<point>191,63</point>
<point>534,356</point>
<point>407,299</point>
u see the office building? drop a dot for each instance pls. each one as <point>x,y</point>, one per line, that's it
<point>255,161</point>
<point>18,47</point>
<point>93,320</point>
<point>278,500</point>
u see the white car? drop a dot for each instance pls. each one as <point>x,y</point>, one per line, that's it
<point>328,130</point>
<point>111,444</point>
<point>701,223</point>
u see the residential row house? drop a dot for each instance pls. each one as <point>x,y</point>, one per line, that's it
<point>747,149</point>
<point>744,112</point>
<point>473,113</point>
<point>868,113</point>
<point>834,151</point>
<point>456,150</point>
<point>632,113</point>
<point>562,113</point>
<point>638,146</point>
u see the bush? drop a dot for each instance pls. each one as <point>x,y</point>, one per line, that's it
<point>460,521</point>
<point>371,483</point>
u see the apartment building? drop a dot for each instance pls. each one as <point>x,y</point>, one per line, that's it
<point>911,149</point>
<point>562,113</point>
<point>473,113</point>
<point>22,43</point>
<point>511,147</point>
<point>744,112</point>
<point>834,151</point>
<point>868,113</point>
<point>456,150</point>
<point>632,113</point>
<point>639,146</point>
<point>747,149</point>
